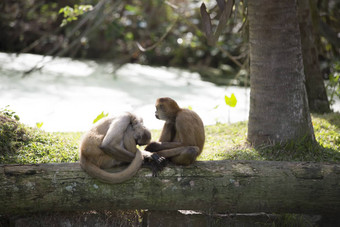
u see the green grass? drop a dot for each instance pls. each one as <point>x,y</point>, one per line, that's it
<point>229,142</point>
<point>22,144</point>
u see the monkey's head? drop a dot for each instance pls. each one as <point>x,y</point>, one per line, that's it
<point>141,134</point>
<point>166,109</point>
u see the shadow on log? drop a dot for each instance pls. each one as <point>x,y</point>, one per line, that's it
<point>214,186</point>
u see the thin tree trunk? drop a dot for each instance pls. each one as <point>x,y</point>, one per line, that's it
<point>279,110</point>
<point>317,96</point>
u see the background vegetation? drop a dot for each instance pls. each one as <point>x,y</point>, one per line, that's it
<point>102,29</point>
<point>108,29</point>
<point>24,145</point>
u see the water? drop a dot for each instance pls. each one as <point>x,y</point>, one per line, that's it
<point>67,95</point>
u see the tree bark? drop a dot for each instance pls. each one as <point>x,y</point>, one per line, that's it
<point>279,110</point>
<point>214,186</point>
<point>316,91</point>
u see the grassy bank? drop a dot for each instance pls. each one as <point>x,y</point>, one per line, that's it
<point>22,144</point>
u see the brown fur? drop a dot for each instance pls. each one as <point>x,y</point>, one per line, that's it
<point>110,142</point>
<point>182,138</point>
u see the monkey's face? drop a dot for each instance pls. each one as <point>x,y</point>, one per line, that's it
<point>166,109</point>
<point>142,135</point>
<point>143,138</point>
<point>160,112</point>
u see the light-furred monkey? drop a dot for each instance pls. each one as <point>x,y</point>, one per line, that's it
<point>112,141</point>
<point>182,138</point>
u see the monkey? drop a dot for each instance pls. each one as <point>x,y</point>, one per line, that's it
<point>182,137</point>
<point>111,142</point>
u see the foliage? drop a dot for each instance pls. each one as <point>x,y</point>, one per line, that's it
<point>326,16</point>
<point>232,101</point>
<point>333,85</point>
<point>112,28</point>
<point>39,124</point>
<point>100,116</point>
<point>71,14</point>
<point>21,144</point>
<point>11,134</point>
<point>9,113</point>
<point>226,10</point>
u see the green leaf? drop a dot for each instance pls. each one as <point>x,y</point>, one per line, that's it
<point>232,101</point>
<point>17,117</point>
<point>129,36</point>
<point>132,9</point>
<point>100,116</point>
<point>39,124</point>
<point>72,14</point>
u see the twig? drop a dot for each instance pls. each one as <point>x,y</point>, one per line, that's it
<point>230,56</point>
<point>143,49</point>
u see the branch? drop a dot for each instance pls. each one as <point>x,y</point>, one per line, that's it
<point>218,186</point>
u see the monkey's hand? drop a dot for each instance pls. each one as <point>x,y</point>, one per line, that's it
<point>153,147</point>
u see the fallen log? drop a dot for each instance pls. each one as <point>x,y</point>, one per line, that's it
<point>212,186</point>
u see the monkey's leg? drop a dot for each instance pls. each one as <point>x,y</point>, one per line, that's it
<point>181,155</point>
<point>158,146</point>
<point>108,162</point>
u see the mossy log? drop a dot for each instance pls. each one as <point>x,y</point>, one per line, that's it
<point>213,186</point>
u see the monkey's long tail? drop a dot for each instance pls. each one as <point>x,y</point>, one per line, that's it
<point>113,178</point>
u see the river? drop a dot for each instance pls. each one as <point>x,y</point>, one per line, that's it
<point>67,94</point>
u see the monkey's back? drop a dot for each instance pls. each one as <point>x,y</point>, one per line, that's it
<point>93,138</point>
<point>190,129</point>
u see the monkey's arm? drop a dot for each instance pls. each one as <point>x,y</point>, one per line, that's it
<point>112,143</point>
<point>168,132</point>
<point>166,139</point>
<point>181,131</point>
<point>129,140</point>
<point>158,146</point>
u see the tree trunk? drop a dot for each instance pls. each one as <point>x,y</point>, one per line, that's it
<point>278,101</point>
<point>316,92</point>
<point>215,186</point>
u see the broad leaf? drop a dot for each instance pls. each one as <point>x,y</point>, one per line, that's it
<point>232,101</point>
<point>39,124</point>
<point>100,116</point>
<point>207,28</point>
<point>226,9</point>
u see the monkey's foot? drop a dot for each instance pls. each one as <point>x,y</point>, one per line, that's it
<point>160,160</point>
<point>156,164</point>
